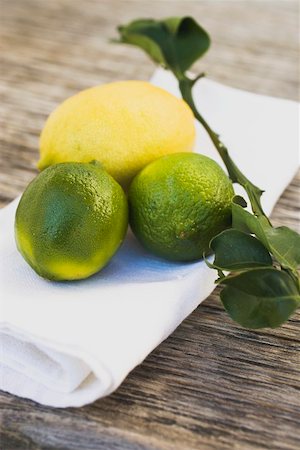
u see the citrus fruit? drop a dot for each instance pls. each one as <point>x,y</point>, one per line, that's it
<point>70,221</point>
<point>178,203</point>
<point>125,125</point>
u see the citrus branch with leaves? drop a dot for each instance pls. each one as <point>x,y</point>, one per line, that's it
<point>257,264</point>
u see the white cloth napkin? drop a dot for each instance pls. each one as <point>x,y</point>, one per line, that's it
<point>68,344</point>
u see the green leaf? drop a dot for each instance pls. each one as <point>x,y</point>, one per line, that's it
<point>150,35</point>
<point>243,220</point>
<point>239,200</point>
<point>235,251</point>
<point>283,243</point>
<point>175,43</point>
<point>191,41</point>
<point>285,246</point>
<point>260,298</point>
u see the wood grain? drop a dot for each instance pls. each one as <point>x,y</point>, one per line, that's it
<point>211,385</point>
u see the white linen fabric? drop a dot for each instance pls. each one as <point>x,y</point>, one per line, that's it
<point>68,344</point>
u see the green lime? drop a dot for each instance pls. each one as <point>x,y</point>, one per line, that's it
<point>178,203</point>
<point>70,221</point>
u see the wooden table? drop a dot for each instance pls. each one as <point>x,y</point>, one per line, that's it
<point>212,384</point>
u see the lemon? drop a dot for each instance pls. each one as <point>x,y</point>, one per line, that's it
<point>178,203</point>
<point>70,221</point>
<point>125,125</point>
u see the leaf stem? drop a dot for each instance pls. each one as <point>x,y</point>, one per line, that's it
<point>254,193</point>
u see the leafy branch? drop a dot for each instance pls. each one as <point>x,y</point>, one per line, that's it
<point>257,263</point>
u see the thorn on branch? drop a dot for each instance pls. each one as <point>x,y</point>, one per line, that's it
<point>201,75</point>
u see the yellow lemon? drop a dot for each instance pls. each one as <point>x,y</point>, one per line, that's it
<point>125,125</point>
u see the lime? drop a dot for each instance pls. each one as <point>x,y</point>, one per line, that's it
<point>70,221</point>
<point>125,125</point>
<point>178,203</point>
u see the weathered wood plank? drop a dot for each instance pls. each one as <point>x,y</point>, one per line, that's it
<point>211,385</point>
